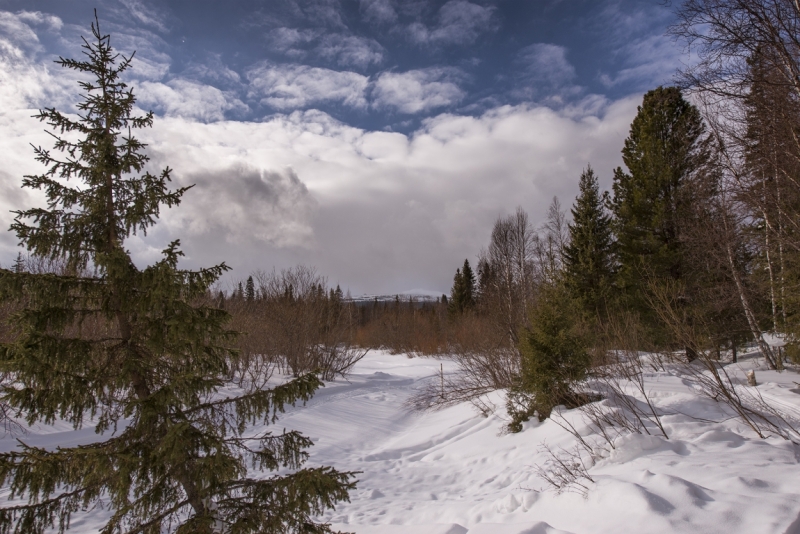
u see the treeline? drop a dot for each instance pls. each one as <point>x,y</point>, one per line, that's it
<point>694,251</point>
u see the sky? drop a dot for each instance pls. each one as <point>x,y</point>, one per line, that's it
<point>375,140</point>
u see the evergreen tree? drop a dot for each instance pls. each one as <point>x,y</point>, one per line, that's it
<point>662,152</point>
<point>468,279</point>
<point>19,264</point>
<point>588,258</point>
<point>250,289</point>
<point>554,355</point>
<point>462,294</point>
<point>135,352</point>
<point>239,291</point>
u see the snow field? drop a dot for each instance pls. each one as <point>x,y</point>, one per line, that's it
<point>454,471</point>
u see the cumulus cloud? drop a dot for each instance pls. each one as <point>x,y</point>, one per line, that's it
<point>416,91</point>
<point>184,98</point>
<point>460,22</point>
<point>380,11</point>
<point>375,211</point>
<point>241,204</point>
<point>297,86</point>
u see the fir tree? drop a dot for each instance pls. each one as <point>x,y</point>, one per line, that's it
<point>250,289</point>
<point>588,259</point>
<point>135,352</point>
<point>19,264</point>
<point>554,355</point>
<point>468,279</point>
<point>462,294</point>
<point>239,294</point>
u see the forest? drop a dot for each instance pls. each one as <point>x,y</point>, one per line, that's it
<point>690,260</point>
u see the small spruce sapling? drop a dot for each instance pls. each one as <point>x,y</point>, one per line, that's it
<point>555,354</point>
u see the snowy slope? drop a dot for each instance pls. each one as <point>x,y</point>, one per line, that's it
<point>454,472</point>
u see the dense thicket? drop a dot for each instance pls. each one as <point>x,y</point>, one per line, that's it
<point>139,353</point>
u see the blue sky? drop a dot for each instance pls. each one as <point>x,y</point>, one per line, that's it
<point>374,139</point>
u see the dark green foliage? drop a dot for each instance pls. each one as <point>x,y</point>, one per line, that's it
<point>250,289</point>
<point>588,256</point>
<point>662,152</point>
<point>555,354</point>
<point>138,352</point>
<point>462,294</point>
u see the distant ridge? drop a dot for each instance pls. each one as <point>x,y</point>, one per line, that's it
<point>415,295</point>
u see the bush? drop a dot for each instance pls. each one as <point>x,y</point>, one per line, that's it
<point>555,351</point>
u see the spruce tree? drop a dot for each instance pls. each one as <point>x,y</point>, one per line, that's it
<point>19,264</point>
<point>456,305</point>
<point>555,354</point>
<point>250,289</point>
<point>139,354</point>
<point>662,152</point>
<point>468,280</point>
<point>462,294</point>
<point>588,256</point>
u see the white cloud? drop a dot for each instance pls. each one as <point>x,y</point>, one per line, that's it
<point>375,211</point>
<point>16,28</point>
<point>241,203</point>
<point>649,61</point>
<point>213,69</point>
<point>184,98</point>
<point>380,11</point>
<point>27,82</point>
<point>339,48</point>
<point>150,61</point>
<point>350,50</point>
<point>547,63</point>
<point>292,41</point>
<point>416,91</point>
<point>460,22</point>
<point>146,14</point>
<point>297,86</point>
<point>546,75</point>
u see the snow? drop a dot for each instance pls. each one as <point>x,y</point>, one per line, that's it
<point>455,471</point>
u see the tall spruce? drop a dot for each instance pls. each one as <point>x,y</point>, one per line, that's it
<point>588,255</point>
<point>139,354</point>
<point>462,294</point>
<point>662,152</point>
<point>250,289</point>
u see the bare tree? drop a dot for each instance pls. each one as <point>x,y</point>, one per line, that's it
<point>508,290</point>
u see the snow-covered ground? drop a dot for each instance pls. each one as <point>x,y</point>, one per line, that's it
<point>454,471</point>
